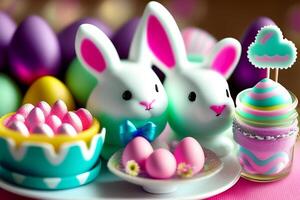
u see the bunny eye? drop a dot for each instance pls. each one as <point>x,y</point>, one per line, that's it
<point>156,88</point>
<point>127,95</point>
<point>227,93</point>
<point>192,96</point>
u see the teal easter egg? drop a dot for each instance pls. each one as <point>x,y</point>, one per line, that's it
<point>10,96</point>
<point>75,77</point>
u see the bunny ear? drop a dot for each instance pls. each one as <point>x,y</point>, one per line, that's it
<point>94,50</point>
<point>158,32</point>
<point>225,56</point>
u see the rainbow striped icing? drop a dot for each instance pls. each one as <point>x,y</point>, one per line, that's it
<point>266,104</point>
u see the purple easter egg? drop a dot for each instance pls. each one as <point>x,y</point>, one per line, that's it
<point>67,37</point>
<point>8,27</point>
<point>34,50</point>
<point>245,74</point>
<point>123,37</point>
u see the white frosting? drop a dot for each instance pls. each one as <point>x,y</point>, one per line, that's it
<point>18,177</point>
<point>82,178</point>
<point>56,158</point>
<point>52,183</point>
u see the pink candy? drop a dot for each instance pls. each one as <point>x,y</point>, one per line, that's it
<point>43,129</point>
<point>54,122</point>
<point>20,127</point>
<point>25,109</point>
<point>45,107</point>
<point>59,109</point>
<point>34,118</point>
<point>43,119</point>
<point>67,129</point>
<point>72,119</point>
<point>13,118</point>
<point>86,118</point>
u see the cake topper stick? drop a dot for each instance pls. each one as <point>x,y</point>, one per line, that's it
<point>270,50</point>
<point>276,74</point>
<point>268,73</point>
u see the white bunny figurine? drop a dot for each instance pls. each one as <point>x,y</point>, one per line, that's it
<point>129,99</point>
<point>200,104</point>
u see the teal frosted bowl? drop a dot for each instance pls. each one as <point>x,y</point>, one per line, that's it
<point>41,159</point>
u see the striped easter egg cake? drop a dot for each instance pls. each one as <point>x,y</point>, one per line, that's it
<point>266,104</point>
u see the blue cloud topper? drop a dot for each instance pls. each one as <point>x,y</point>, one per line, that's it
<point>271,50</point>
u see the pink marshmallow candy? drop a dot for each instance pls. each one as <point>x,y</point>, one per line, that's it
<point>43,119</point>
<point>59,109</point>
<point>43,129</point>
<point>25,109</point>
<point>34,118</point>
<point>67,129</point>
<point>45,107</point>
<point>20,127</point>
<point>85,117</point>
<point>72,119</point>
<point>14,118</point>
<point>54,122</point>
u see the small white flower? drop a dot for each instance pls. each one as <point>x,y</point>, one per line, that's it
<point>132,168</point>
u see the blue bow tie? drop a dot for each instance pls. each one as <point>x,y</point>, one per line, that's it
<point>128,131</point>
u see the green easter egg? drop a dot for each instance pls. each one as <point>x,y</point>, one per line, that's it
<point>10,96</point>
<point>80,82</point>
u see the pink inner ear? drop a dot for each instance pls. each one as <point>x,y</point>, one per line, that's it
<point>92,56</point>
<point>159,42</point>
<point>224,60</point>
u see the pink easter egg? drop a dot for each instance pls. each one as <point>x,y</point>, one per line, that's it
<point>45,107</point>
<point>161,164</point>
<point>138,150</point>
<point>20,127</point>
<point>25,109</point>
<point>43,129</point>
<point>59,109</point>
<point>34,118</point>
<point>54,122</point>
<point>85,117</point>
<point>67,129</point>
<point>190,152</point>
<point>14,118</point>
<point>74,120</point>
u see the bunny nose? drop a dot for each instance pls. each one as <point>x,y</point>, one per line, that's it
<point>147,105</point>
<point>218,109</point>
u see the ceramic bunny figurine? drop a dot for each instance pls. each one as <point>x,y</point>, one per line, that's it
<point>200,104</point>
<point>129,99</point>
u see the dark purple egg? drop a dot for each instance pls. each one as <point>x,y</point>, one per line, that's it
<point>7,30</point>
<point>34,50</point>
<point>123,37</point>
<point>245,74</point>
<point>67,37</point>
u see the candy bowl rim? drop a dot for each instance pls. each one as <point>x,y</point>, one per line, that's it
<point>56,141</point>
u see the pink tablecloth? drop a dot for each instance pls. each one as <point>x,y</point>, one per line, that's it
<point>288,188</point>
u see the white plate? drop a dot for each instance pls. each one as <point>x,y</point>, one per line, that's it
<point>111,187</point>
<point>212,165</point>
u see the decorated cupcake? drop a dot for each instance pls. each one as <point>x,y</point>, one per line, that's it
<point>265,124</point>
<point>46,147</point>
<point>265,127</point>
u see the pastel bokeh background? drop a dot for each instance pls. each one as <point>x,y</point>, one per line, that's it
<point>220,18</point>
<point>228,18</point>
